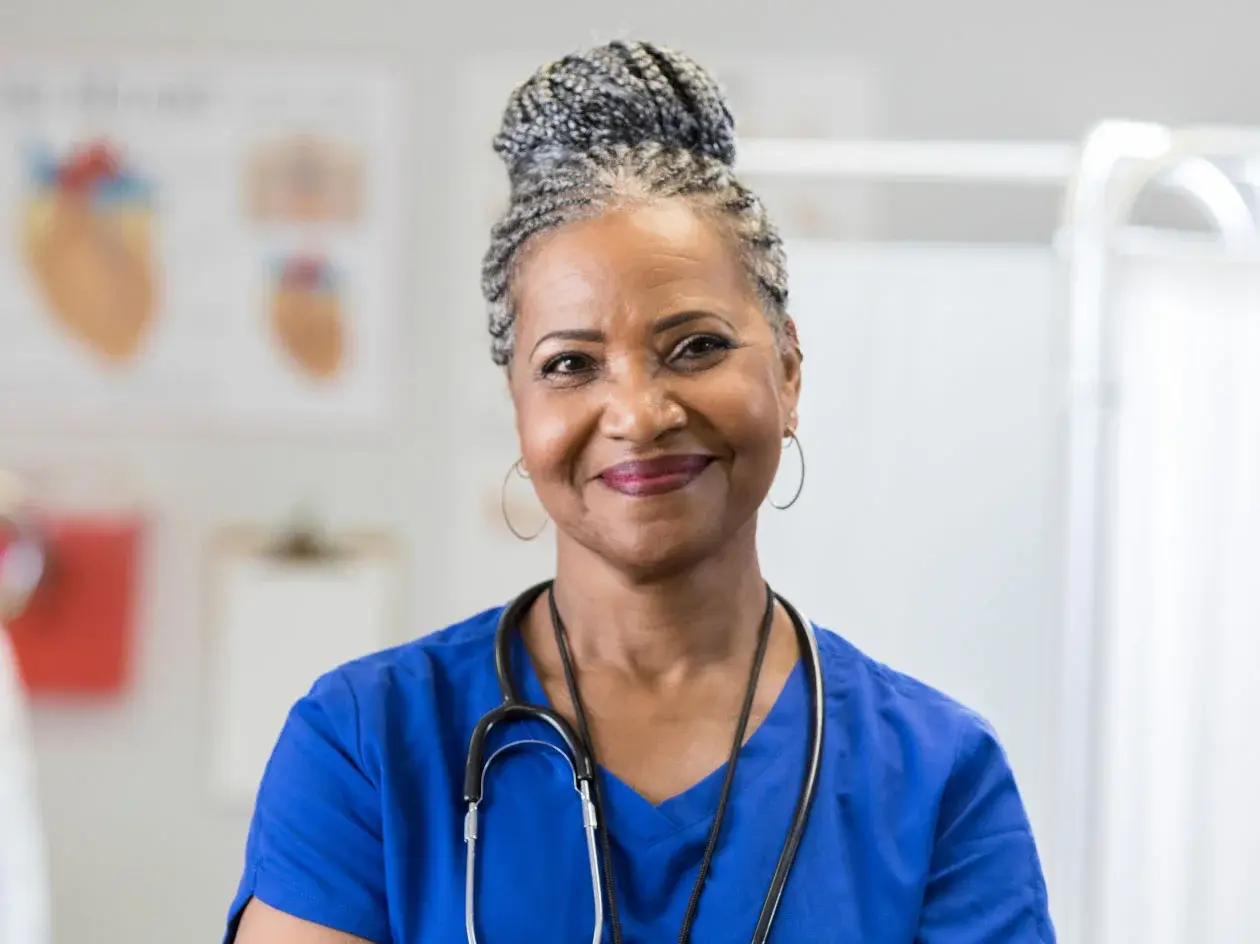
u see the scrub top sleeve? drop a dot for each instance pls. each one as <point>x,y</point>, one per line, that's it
<point>986,884</point>
<point>314,848</point>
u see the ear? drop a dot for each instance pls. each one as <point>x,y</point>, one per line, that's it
<point>790,359</point>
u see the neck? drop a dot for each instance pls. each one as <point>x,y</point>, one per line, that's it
<point>667,628</point>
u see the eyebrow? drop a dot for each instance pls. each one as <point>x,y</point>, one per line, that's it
<point>668,323</point>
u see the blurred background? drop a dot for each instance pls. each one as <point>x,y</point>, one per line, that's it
<point>246,402</point>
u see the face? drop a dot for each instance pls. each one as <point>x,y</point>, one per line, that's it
<point>651,396</point>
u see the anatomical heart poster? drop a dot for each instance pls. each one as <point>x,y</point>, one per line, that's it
<point>198,244</point>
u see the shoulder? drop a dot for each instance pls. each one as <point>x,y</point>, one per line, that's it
<point>461,647</point>
<point>416,689</point>
<point>856,677</point>
<point>911,723</point>
<point>932,769</point>
<point>366,733</point>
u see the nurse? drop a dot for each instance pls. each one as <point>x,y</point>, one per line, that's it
<point>638,308</point>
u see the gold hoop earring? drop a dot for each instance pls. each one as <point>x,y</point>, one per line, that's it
<point>519,470</point>
<point>800,484</point>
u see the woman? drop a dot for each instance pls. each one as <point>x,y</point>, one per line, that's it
<point>638,306</point>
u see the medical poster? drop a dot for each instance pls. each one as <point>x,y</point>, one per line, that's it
<point>206,244</point>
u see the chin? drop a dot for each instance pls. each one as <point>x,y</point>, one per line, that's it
<point>647,551</point>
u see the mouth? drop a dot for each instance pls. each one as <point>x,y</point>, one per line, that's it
<point>646,477</point>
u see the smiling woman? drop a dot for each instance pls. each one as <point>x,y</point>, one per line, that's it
<point>648,369</point>
<point>638,305</point>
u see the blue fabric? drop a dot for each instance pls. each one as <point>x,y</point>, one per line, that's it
<point>917,835</point>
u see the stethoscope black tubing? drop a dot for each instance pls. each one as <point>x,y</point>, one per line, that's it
<point>515,709</point>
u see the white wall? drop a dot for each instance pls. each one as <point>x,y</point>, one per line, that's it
<point>138,853</point>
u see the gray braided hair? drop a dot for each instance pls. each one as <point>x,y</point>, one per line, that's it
<point>620,124</point>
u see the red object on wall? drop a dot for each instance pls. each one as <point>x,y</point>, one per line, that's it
<point>75,636</point>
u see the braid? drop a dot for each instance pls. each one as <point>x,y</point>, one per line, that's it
<point>621,124</point>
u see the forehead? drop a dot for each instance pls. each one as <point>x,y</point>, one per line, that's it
<point>630,261</point>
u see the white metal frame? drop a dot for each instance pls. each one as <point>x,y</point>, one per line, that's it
<point>1119,161</point>
<point>1103,177</point>
<point>1028,162</point>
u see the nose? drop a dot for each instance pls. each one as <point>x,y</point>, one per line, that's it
<point>641,407</point>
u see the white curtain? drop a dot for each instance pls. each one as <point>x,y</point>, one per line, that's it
<point>1179,827</point>
<point>23,881</point>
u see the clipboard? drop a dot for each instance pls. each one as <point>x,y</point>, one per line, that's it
<point>284,611</point>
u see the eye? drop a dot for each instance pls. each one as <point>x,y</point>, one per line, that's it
<point>699,348</point>
<point>569,365</point>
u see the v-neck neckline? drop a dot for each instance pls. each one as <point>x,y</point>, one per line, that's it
<point>630,813</point>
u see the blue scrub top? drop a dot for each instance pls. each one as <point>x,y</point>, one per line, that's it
<point>917,834</point>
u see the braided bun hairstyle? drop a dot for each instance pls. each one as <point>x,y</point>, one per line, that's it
<point>622,124</point>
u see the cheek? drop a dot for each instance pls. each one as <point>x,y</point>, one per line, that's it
<point>748,415</point>
<point>550,435</point>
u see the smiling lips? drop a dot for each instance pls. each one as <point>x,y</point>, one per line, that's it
<point>654,476</point>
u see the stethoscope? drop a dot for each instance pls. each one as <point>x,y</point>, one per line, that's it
<point>578,757</point>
